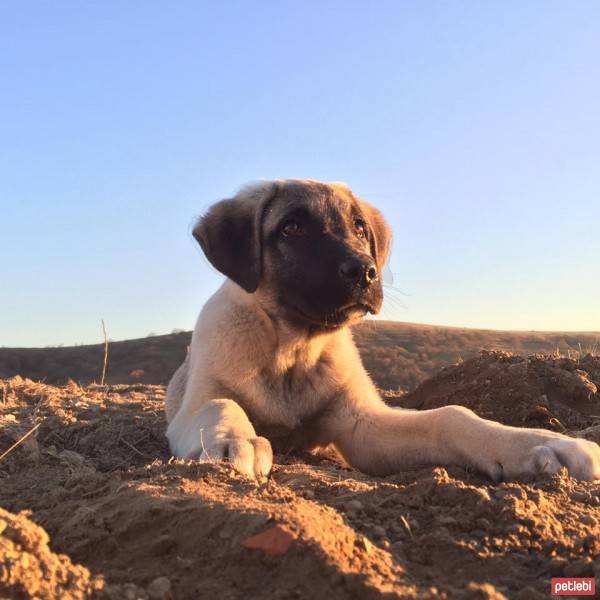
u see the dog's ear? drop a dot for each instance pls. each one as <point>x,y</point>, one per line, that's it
<point>381,235</point>
<point>230,234</point>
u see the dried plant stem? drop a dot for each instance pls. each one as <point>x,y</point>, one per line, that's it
<point>21,439</point>
<point>105,354</point>
<point>132,447</point>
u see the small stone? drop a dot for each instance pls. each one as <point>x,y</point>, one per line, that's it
<point>184,563</point>
<point>131,593</point>
<point>580,496</point>
<point>588,520</point>
<point>519,493</point>
<point>353,505</point>
<point>71,457</point>
<point>484,590</point>
<point>447,520</point>
<point>378,531</point>
<point>160,589</point>
<point>309,494</point>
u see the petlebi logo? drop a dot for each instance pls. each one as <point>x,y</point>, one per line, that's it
<point>573,586</point>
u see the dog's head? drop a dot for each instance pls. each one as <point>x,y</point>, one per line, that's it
<point>315,248</point>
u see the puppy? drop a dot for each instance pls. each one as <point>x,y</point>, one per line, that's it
<point>272,362</point>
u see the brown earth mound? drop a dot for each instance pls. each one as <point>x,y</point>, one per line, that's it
<point>97,476</point>
<point>29,568</point>
<point>555,393</point>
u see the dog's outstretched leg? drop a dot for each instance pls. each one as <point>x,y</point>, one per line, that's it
<point>381,440</point>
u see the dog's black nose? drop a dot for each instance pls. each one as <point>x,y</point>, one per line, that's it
<point>358,271</point>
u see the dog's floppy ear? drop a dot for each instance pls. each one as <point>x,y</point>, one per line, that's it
<point>381,235</point>
<point>230,234</point>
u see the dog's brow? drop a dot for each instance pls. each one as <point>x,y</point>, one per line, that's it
<point>297,212</point>
<point>337,211</point>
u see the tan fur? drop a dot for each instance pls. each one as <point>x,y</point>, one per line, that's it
<point>249,375</point>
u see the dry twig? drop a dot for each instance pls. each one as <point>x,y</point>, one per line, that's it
<point>132,447</point>
<point>21,439</point>
<point>105,353</point>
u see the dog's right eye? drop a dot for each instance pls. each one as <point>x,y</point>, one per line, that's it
<point>290,228</point>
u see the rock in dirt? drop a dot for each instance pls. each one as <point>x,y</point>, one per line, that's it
<point>160,589</point>
<point>354,506</point>
<point>71,457</point>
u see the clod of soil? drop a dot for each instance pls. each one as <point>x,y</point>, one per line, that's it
<point>126,521</point>
<point>28,568</point>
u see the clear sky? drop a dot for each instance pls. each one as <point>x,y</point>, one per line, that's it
<point>474,126</point>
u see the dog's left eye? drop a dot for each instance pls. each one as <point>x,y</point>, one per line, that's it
<point>361,228</point>
<point>290,228</point>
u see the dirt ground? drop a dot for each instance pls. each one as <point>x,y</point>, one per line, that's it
<point>94,506</point>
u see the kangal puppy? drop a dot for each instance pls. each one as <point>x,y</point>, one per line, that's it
<point>272,361</point>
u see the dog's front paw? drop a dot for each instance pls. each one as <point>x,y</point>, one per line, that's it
<point>252,457</point>
<point>532,452</point>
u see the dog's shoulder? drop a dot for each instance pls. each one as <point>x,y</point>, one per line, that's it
<point>231,332</point>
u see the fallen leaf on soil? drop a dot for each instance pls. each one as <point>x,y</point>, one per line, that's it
<point>274,541</point>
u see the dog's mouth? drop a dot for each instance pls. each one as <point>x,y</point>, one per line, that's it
<point>339,317</point>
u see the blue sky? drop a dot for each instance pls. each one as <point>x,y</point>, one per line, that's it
<point>474,126</point>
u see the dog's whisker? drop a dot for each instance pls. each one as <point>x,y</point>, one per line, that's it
<point>389,286</point>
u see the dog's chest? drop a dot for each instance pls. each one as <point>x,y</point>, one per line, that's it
<point>293,396</point>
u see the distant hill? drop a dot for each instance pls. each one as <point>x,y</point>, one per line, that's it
<point>398,355</point>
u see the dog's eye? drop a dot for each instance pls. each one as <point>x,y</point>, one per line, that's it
<point>360,228</point>
<point>290,228</point>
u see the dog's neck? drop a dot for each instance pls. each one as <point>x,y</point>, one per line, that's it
<point>295,343</point>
